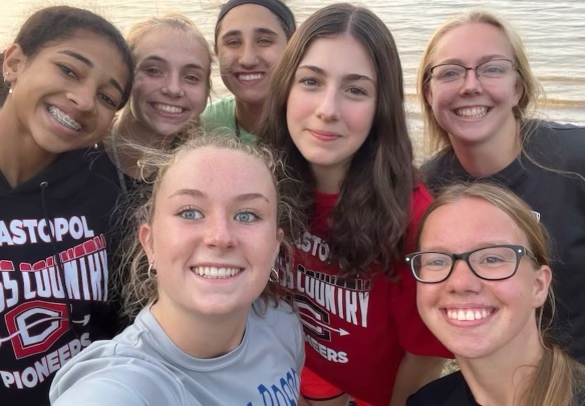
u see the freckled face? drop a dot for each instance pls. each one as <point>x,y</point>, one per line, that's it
<point>214,237</point>
<point>170,88</point>
<point>504,311</point>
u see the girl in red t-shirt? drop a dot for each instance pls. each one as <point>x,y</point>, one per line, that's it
<point>336,110</point>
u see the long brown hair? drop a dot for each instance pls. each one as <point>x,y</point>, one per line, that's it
<point>558,379</point>
<point>371,216</point>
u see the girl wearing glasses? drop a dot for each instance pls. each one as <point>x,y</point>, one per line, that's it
<point>478,94</point>
<point>483,279</point>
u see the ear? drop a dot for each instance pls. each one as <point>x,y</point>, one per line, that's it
<point>14,62</point>
<point>279,238</point>
<point>542,280</point>
<point>429,94</point>
<point>145,237</point>
<point>518,90</point>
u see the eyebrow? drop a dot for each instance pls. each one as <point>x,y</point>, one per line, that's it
<point>159,59</point>
<point>257,30</point>
<point>239,198</point>
<point>483,59</point>
<point>90,64</point>
<point>349,77</point>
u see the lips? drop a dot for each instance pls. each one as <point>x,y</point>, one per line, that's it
<point>324,135</point>
<point>212,272</point>
<point>472,112</point>
<point>168,108</point>
<point>468,314</point>
<point>250,77</point>
<point>64,119</point>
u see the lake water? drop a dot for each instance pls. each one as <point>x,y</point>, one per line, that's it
<point>553,31</point>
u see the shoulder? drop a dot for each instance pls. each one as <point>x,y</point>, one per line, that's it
<point>219,111</point>
<point>117,372</point>
<point>441,169</point>
<point>448,390</point>
<point>559,145</point>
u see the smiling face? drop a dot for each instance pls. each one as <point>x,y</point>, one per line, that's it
<point>331,104</point>
<point>171,87</point>
<point>214,237</point>
<point>65,96</point>
<point>475,318</point>
<point>474,110</point>
<point>250,41</point>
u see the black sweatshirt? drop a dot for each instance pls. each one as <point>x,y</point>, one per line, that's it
<point>46,321</point>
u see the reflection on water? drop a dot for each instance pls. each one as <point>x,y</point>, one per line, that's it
<point>553,31</point>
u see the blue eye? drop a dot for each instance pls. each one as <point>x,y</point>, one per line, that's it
<point>246,217</point>
<point>191,214</point>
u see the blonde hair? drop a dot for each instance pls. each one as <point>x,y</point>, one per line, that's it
<point>138,288</point>
<point>558,377</point>
<point>436,138</point>
<point>175,21</point>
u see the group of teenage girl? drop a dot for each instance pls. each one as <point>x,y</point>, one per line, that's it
<point>284,249</point>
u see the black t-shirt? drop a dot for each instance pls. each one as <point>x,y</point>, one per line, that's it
<point>450,390</point>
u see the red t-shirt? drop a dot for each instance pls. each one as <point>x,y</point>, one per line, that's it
<point>356,332</point>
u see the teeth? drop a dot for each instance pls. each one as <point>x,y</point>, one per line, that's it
<point>250,76</point>
<point>469,314</point>
<point>215,273</point>
<point>64,119</point>
<point>472,112</point>
<point>168,108</point>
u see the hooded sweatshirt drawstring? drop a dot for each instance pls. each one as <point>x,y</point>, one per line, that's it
<point>61,269</point>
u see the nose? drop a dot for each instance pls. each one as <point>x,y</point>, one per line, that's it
<point>218,232</point>
<point>462,278</point>
<point>173,86</point>
<point>84,97</point>
<point>248,56</point>
<point>328,108</point>
<point>471,82</point>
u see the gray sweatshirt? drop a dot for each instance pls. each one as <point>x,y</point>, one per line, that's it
<point>142,366</point>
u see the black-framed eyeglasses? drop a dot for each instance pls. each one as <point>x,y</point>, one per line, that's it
<point>492,263</point>
<point>492,69</point>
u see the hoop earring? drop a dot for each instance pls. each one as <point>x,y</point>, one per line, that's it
<point>274,275</point>
<point>150,269</point>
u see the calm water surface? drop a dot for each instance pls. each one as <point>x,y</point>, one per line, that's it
<point>553,31</point>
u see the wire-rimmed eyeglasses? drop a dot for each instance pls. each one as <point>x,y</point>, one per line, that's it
<point>492,69</point>
<point>492,263</point>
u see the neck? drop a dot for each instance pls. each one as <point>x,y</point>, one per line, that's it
<point>248,115</point>
<point>198,335</point>
<point>502,378</point>
<point>128,131</point>
<point>21,158</point>
<point>328,179</point>
<point>490,157</point>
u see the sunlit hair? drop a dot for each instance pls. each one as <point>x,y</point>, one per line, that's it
<point>371,216</point>
<point>175,21</point>
<point>436,138</point>
<point>57,24</point>
<point>558,377</point>
<point>138,289</point>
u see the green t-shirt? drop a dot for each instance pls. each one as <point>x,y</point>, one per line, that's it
<point>219,118</point>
